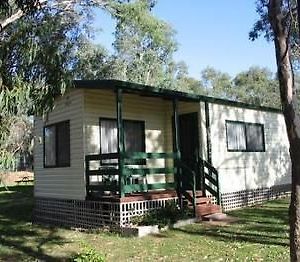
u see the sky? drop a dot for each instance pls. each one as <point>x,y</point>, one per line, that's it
<point>209,33</point>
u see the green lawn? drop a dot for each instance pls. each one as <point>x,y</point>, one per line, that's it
<point>260,235</point>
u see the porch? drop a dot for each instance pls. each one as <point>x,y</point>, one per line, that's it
<point>125,176</point>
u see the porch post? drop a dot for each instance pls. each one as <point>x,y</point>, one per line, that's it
<point>208,132</point>
<point>120,131</point>
<point>177,173</point>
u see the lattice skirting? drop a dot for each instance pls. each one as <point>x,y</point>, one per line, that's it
<point>92,214</point>
<point>252,197</point>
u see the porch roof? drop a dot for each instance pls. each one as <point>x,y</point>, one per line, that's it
<point>146,90</point>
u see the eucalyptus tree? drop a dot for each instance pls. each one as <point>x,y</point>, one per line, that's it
<point>257,86</point>
<point>38,40</point>
<point>216,83</point>
<point>143,44</point>
<point>92,61</point>
<point>278,23</point>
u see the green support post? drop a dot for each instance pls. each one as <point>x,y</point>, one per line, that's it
<point>208,142</point>
<point>120,142</point>
<point>177,173</point>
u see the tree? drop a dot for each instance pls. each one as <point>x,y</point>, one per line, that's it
<point>92,62</point>
<point>256,86</point>
<point>35,57</point>
<point>184,82</point>
<point>278,23</point>
<point>12,10</point>
<point>216,82</point>
<point>143,51</point>
<point>144,44</point>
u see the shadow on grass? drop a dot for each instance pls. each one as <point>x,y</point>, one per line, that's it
<point>267,225</point>
<point>19,239</point>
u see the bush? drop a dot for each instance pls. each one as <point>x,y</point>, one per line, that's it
<point>88,254</point>
<point>163,216</point>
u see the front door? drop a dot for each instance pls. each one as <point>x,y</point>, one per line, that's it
<point>189,147</point>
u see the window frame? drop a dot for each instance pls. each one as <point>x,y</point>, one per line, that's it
<point>57,165</point>
<point>142,122</point>
<point>245,124</point>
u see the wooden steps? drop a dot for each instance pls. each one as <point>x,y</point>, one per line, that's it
<point>207,209</point>
<point>204,207</point>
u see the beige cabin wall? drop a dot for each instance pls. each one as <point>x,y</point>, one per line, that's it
<point>64,182</point>
<point>250,170</point>
<point>102,104</point>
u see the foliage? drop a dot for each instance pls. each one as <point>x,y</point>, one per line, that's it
<point>35,58</point>
<point>88,254</point>
<point>143,44</point>
<point>216,82</point>
<point>256,86</point>
<point>262,26</point>
<point>164,216</point>
<point>92,62</point>
<point>17,139</point>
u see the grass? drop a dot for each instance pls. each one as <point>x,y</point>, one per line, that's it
<point>260,235</point>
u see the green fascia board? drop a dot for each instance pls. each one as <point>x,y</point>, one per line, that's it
<point>164,93</point>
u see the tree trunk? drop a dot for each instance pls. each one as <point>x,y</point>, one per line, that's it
<point>291,115</point>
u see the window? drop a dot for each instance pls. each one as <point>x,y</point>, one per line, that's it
<point>248,137</point>
<point>134,137</point>
<point>57,145</point>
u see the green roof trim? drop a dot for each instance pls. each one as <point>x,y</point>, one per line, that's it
<point>165,93</point>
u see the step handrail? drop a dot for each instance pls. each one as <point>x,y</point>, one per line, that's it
<point>213,180</point>
<point>186,194</point>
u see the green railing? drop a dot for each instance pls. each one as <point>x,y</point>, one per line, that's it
<point>106,176</point>
<point>210,180</point>
<point>134,176</point>
<point>192,183</point>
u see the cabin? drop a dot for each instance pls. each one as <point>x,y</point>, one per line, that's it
<point>111,150</point>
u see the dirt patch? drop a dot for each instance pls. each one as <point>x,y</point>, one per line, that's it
<point>10,178</point>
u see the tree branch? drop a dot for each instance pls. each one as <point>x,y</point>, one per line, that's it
<point>11,19</point>
<point>64,6</point>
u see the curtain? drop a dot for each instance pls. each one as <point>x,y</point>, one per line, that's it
<point>236,139</point>
<point>50,146</point>
<point>109,136</point>
<point>134,136</point>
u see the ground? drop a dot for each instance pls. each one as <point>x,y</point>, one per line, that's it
<point>260,235</point>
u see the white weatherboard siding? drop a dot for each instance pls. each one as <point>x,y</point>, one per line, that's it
<point>102,104</point>
<point>63,182</point>
<point>250,170</point>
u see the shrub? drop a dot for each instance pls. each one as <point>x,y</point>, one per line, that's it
<point>163,216</point>
<point>88,254</point>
